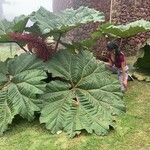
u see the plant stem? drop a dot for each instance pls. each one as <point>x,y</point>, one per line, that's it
<point>16,43</point>
<point>21,47</point>
<point>58,41</point>
<point>111,5</point>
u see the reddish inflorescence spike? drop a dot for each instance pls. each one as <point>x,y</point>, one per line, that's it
<point>35,44</point>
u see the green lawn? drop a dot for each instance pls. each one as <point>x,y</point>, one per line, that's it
<point>132,131</point>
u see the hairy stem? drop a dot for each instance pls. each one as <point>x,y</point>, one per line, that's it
<point>16,43</point>
<point>58,41</point>
<point>21,47</point>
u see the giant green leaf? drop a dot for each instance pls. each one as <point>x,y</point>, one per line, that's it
<point>22,82</point>
<point>124,31</point>
<point>86,97</point>
<point>86,44</point>
<point>17,25</point>
<point>5,111</point>
<point>65,20</point>
<point>143,61</point>
<point>142,65</point>
<point>3,73</point>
